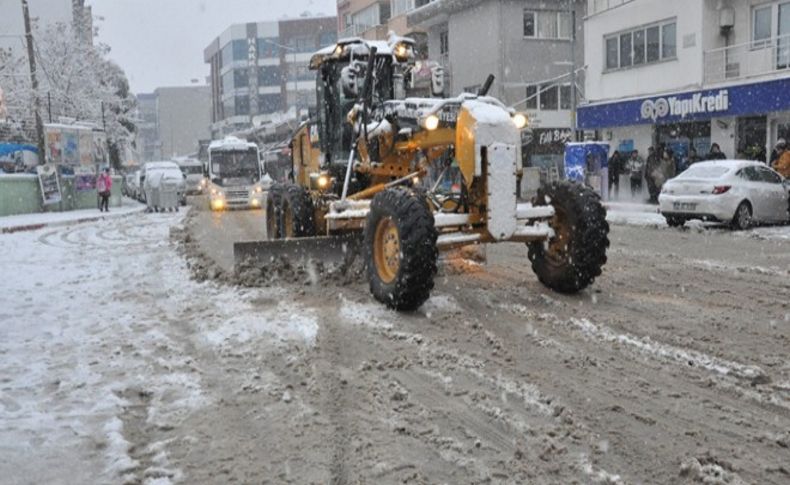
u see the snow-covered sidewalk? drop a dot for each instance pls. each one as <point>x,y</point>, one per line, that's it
<point>28,222</point>
<point>634,214</point>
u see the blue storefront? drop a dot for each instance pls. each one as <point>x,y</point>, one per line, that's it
<point>744,119</point>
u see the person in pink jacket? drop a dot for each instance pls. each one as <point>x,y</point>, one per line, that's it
<point>103,187</point>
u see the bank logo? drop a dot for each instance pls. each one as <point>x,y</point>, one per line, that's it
<point>675,106</point>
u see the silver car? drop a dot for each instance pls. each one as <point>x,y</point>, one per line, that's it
<point>739,192</point>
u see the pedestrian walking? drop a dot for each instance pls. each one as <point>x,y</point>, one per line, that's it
<point>715,153</point>
<point>693,157</point>
<point>651,167</point>
<point>636,170</point>
<point>104,187</point>
<point>780,146</point>
<point>665,170</point>
<point>616,167</point>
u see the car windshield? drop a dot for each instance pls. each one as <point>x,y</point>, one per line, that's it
<point>192,170</point>
<point>228,164</point>
<point>705,172</point>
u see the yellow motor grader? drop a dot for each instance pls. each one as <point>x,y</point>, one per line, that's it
<point>400,178</point>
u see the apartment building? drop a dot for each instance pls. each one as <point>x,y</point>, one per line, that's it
<point>259,69</point>
<point>529,45</point>
<point>688,73</point>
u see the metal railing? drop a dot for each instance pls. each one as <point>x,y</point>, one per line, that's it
<point>749,59</point>
<point>354,30</point>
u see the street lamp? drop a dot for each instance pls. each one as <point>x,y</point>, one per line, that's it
<point>296,77</point>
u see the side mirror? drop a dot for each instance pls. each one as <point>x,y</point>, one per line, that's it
<point>349,81</point>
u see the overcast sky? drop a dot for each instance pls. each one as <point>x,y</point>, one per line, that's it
<point>161,42</point>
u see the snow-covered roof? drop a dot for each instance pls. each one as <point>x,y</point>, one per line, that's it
<point>231,143</point>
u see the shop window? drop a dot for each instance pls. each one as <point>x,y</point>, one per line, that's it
<point>761,26</point>
<point>529,24</point>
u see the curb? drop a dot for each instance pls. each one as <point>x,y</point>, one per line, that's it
<point>81,220</point>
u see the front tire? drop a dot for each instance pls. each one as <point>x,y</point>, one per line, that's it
<point>742,219</point>
<point>292,211</point>
<point>573,258</point>
<point>400,244</point>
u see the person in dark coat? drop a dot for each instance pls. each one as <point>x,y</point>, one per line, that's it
<point>715,153</point>
<point>616,167</point>
<point>651,166</point>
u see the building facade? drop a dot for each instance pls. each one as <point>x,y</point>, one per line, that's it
<point>374,19</point>
<point>687,74</point>
<point>183,118</point>
<point>528,45</point>
<point>147,122</point>
<point>259,69</point>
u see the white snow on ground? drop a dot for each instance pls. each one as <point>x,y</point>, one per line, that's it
<point>59,218</point>
<point>669,352</point>
<point>94,326</point>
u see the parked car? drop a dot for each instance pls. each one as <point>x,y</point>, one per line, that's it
<point>170,172</point>
<point>193,171</point>
<point>738,192</point>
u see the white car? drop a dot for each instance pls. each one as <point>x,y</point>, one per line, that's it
<point>738,192</point>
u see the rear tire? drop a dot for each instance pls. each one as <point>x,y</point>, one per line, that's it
<point>294,215</point>
<point>571,260</point>
<point>742,219</point>
<point>674,221</point>
<point>401,252</point>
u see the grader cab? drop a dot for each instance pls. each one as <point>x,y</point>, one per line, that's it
<point>401,178</point>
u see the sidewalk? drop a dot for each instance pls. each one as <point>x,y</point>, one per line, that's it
<point>39,220</point>
<point>633,213</point>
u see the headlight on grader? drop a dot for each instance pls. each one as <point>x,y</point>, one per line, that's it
<point>430,122</point>
<point>320,181</point>
<point>323,181</point>
<point>520,120</point>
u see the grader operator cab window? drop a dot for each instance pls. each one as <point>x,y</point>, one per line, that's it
<point>338,90</point>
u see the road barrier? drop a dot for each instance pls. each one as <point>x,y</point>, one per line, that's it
<point>21,194</point>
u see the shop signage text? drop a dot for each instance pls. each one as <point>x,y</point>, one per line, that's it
<point>676,106</point>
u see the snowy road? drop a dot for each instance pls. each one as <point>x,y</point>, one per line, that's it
<point>115,366</point>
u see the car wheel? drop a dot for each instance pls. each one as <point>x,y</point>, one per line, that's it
<point>674,221</point>
<point>743,217</point>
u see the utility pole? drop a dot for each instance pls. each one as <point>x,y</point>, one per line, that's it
<point>572,13</point>
<point>42,154</point>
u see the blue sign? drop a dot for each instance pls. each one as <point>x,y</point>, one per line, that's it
<point>742,99</point>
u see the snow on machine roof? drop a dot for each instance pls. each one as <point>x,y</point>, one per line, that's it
<point>360,48</point>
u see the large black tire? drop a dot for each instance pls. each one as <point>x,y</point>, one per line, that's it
<point>573,258</point>
<point>273,210</point>
<point>400,220</point>
<point>293,212</point>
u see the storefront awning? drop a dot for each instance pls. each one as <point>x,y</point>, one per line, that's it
<point>742,99</point>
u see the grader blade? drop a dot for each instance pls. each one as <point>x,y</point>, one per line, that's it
<point>335,251</point>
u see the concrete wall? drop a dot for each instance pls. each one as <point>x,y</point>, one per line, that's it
<point>683,72</point>
<point>21,194</point>
<point>473,36</point>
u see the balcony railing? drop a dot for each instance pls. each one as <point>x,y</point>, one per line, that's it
<point>750,59</point>
<point>354,30</point>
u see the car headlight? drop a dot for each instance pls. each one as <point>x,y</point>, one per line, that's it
<point>258,189</point>
<point>520,120</point>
